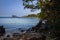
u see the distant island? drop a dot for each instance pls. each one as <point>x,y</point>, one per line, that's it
<point>27,16</point>
<point>14,16</point>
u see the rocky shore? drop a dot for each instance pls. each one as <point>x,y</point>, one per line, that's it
<point>35,33</point>
<point>24,36</point>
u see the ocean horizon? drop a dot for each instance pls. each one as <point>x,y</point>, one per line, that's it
<point>13,24</point>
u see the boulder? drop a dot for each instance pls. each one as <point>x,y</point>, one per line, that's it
<point>2,30</point>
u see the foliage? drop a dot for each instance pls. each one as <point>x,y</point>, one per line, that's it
<point>42,15</point>
<point>49,9</point>
<point>31,15</point>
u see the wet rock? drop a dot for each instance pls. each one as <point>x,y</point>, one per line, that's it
<point>2,30</point>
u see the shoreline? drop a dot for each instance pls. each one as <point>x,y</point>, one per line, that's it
<point>22,36</point>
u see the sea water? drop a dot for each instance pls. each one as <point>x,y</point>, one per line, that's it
<point>13,24</point>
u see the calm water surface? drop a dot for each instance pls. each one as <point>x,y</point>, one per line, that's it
<point>12,24</point>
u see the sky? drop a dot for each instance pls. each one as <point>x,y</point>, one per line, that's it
<point>14,7</point>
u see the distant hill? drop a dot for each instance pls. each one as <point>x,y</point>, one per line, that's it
<point>27,16</point>
<point>13,16</point>
<point>31,15</point>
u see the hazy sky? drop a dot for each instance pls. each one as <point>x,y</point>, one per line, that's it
<point>13,7</point>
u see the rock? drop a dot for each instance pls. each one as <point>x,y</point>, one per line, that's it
<point>34,38</point>
<point>2,30</point>
<point>8,38</point>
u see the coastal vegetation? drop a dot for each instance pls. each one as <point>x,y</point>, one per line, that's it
<point>50,11</point>
<point>31,15</point>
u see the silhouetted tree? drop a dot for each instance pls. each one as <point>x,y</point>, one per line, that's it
<point>50,9</point>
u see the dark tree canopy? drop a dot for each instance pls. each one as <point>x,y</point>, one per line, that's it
<point>50,9</point>
<point>44,5</point>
